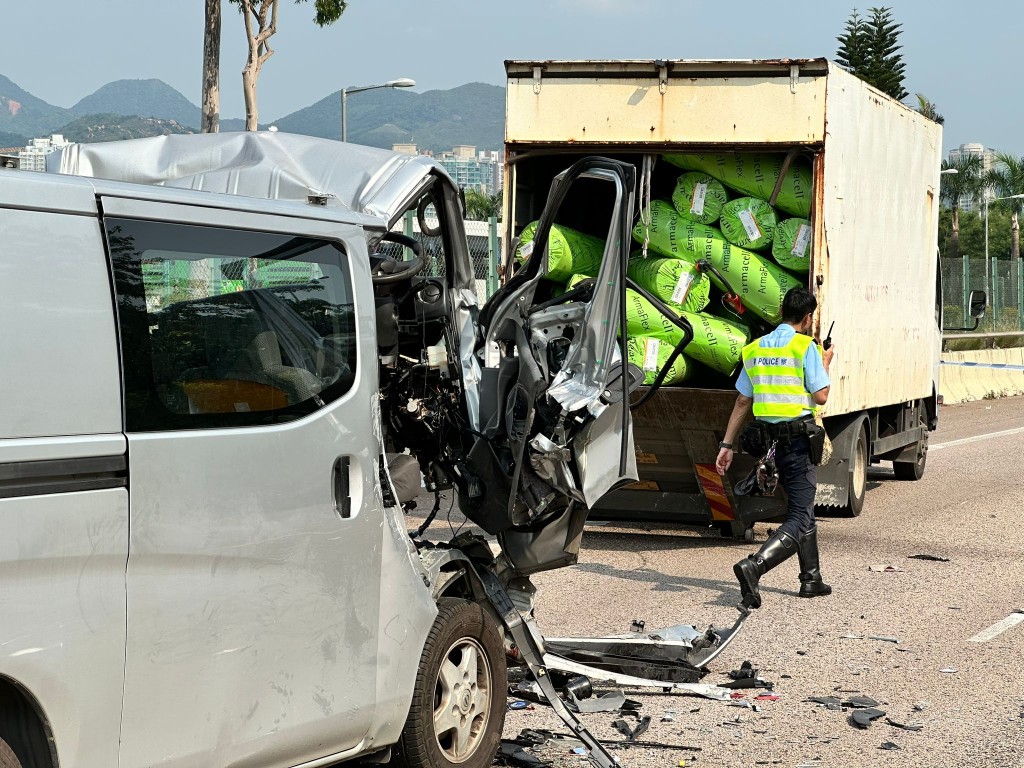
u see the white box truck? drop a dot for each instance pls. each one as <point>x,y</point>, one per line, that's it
<point>874,208</point>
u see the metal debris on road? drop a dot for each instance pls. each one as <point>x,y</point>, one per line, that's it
<point>851,637</point>
<point>932,558</point>
<point>949,670</point>
<point>884,568</point>
<point>884,638</point>
<point>888,745</point>
<point>825,700</point>
<point>860,702</point>
<point>905,726</point>
<point>863,718</point>
<point>921,706</point>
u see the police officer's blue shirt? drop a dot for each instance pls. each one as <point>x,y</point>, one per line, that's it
<point>815,377</point>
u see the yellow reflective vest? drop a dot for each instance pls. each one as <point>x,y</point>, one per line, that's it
<point>777,376</point>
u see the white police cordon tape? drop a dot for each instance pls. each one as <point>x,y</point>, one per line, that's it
<point>967,364</point>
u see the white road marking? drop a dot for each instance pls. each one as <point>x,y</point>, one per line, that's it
<point>976,438</point>
<point>998,628</point>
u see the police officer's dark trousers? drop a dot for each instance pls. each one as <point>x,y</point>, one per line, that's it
<point>797,535</point>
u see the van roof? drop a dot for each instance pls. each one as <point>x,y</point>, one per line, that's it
<point>265,165</point>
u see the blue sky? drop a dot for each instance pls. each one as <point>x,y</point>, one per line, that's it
<point>964,56</point>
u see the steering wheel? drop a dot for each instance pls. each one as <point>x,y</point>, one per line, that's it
<point>385,270</point>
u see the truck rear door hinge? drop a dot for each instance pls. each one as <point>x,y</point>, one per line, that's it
<point>794,77</point>
<point>536,79</point>
<point>662,76</point>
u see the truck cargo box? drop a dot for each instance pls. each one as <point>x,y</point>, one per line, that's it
<point>873,267</point>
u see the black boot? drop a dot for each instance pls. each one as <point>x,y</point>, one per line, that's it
<point>811,584</point>
<point>750,569</point>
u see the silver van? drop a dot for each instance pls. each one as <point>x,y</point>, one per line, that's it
<point>225,371</point>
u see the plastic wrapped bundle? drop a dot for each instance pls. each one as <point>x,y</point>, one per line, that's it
<point>716,342</point>
<point>748,222</point>
<point>792,245</point>
<point>651,353</point>
<point>760,283</point>
<point>699,197</point>
<point>756,173</point>
<point>675,281</point>
<point>569,252</point>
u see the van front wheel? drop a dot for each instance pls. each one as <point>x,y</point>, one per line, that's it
<point>7,757</point>
<point>458,703</point>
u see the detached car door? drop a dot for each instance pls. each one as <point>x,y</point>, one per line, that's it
<point>254,568</point>
<point>557,433</point>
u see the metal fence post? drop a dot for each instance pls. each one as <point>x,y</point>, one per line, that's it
<point>966,286</point>
<point>995,292</point>
<point>1020,296</point>
<point>492,256</point>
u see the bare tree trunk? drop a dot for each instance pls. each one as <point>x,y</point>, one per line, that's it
<point>259,52</point>
<point>1014,237</point>
<point>252,112</point>
<point>955,238</point>
<point>210,122</point>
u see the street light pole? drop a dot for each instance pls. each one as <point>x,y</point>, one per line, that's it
<point>402,82</point>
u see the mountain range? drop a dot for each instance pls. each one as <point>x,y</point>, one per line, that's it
<point>471,114</point>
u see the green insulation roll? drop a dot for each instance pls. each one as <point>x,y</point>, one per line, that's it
<point>677,282</point>
<point>792,244</point>
<point>569,252</point>
<point>759,283</point>
<point>716,342</point>
<point>650,353</point>
<point>748,222</point>
<point>699,197</point>
<point>756,173</point>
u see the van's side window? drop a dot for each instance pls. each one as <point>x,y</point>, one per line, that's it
<point>229,328</point>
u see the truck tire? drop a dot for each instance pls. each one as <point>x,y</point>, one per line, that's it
<point>458,703</point>
<point>913,470</point>
<point>858,473</point>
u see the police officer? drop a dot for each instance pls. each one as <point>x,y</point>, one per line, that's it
<point>784,377</point>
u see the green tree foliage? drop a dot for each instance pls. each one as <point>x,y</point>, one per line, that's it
<point>869,48</point>
<point>480,206</point>
<point>260,25</point>
<point>972,233</point>
<point>1006,180</point>
<point>927,108</point>
<point>956,189</point>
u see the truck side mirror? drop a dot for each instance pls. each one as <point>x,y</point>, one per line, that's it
<point>977,301</point>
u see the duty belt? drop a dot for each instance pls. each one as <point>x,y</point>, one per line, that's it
<point>789,429</point>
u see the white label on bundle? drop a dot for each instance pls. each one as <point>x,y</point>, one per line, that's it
<point>803,239</point>
<point>651,346</point>
<point>526,249</point>
<point>700,191</point>
<point>682,287</point>
<point>750,224</point>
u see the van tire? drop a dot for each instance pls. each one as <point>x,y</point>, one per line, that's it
<point>7,757</point>
<point>463,635</point>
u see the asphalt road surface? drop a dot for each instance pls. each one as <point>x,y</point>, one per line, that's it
<point>957,615</point>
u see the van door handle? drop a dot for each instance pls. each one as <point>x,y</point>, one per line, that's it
<point>342,491</point>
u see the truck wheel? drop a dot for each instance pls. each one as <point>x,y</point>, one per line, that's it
<point>913,470</point>
<point>858,473</point>
<point>458,703</point>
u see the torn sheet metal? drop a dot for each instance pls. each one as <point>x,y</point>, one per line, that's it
<point>693,689</point>
<point>672,654</point>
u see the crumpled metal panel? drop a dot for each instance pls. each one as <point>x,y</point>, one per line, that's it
<point>268,165</point>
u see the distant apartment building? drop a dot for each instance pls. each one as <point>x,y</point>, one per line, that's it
<point>988,159</point>
<point>33,156</point>
<point>483,171</point>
